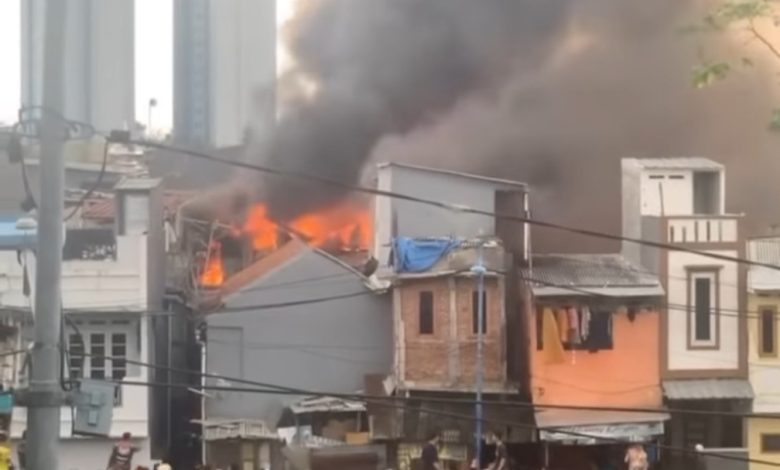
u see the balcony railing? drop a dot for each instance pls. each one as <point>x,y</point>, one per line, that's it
<point>702,230</point>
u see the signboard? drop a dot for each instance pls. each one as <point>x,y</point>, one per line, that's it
<point>603,433</point>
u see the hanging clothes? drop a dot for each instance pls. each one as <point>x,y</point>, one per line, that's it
<point>562,318</point>
<point>585,323</point>
<point>551,337</point>
<point>574,325</point>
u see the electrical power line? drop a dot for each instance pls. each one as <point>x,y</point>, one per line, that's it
<point>398,402</point>
<point>124,137</point>
<point>358,396</point>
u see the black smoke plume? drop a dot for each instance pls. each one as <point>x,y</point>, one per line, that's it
<point>552,92</point>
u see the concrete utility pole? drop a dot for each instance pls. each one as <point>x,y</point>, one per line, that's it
<point>45,396</point>
<point>479,270</point>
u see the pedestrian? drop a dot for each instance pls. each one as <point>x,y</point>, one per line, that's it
<point>636,458</point>
<point>501,460</point>
<point>5,452</point>
<point>21,451</point>
<point>430,453</point>
<point>122,454</point>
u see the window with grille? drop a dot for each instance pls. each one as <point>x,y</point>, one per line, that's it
<point>99,355</point>
<point>119,356</point>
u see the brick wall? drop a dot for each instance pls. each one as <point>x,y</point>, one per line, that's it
<point>447,356</point>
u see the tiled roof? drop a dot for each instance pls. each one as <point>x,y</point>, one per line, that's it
<point>678,163</point>
<point>105,209</point>
<point>262,267</point>
<point>708,389</point>
<point>587,270</point>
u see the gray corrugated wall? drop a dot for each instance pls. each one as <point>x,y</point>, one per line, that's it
<point>325,346</point>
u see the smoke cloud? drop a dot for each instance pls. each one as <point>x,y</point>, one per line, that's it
<point>551,92</point>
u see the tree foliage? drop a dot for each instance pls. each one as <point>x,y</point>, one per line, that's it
<point>750,18</point>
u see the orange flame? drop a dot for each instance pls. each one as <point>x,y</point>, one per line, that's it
<point>347,225</point>
<point>213,272</point>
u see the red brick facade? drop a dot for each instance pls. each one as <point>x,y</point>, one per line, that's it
<point>446,357</point>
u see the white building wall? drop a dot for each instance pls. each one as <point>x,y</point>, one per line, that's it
<point>676,187</point>
<point>726,356</point>
<point>89,285</point>
<point>105,289</point>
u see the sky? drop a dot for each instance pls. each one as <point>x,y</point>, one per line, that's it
<point>153,52</point>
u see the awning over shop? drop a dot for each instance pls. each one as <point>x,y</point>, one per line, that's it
<point>708,389</point>
<point>586,427</point>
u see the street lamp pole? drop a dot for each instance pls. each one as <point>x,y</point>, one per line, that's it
<point>152,105</point>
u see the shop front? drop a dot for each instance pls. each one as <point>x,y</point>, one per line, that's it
<point>576,439</point>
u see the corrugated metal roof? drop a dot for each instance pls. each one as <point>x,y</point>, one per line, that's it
<point>678,163</point>
<point>558,418</point>
<point>708,389</point>
<point>588,270</point>
<point>326,404</point>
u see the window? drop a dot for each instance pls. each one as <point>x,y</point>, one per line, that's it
<point>767,328</point>
<point>97,353</point>
<point>426,312</point>
<point>118,350</point>
<point>87,357</point>
<point>94,364</point>
<point>76,357</point>
<point>703,308</point>
<point>770,443</point>
<point>475,311</point>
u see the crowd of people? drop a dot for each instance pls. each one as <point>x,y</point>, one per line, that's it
<point>635,457</point>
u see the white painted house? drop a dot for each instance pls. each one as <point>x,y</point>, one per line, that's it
<point>111,278</point>
<point>703,343</point>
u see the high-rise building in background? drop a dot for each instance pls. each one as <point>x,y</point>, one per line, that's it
<point>224,69</point>
<point>99,61</point>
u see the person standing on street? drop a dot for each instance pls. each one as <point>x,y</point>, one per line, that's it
<point>636,458</point>
<point>5,452</point>
<point>501,461</point>
<point>430,454</point>
<point>122,454</point>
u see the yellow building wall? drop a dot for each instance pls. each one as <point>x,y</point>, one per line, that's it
<point>765,379</point>
<point>756,427</point>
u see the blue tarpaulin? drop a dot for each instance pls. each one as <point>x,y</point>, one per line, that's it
<point>13,238</point>
<point>414,255</point>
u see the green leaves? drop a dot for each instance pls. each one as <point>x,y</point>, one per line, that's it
<point>733,12</point>
<point>710,72</point>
